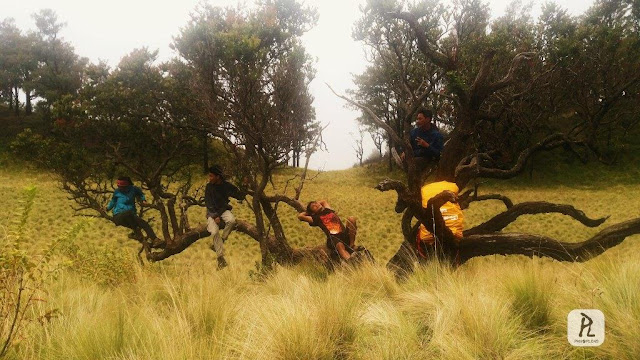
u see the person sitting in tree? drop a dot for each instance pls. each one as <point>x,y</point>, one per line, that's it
<point>426,142</point>
<point>123,204</point>
<point>340,239</point>
<point>216,198</point>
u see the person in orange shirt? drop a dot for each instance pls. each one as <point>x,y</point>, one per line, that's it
<point>340,238</point>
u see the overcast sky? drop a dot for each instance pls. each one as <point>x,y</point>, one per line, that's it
<point>107,30</point>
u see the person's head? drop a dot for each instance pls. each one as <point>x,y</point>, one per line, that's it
<point>314,207</point>
<point>423,119</point>
<point>123,182</point>
<point>216,175</point>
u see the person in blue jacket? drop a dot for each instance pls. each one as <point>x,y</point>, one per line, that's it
<point>123,205</point>
<point>426,141</point>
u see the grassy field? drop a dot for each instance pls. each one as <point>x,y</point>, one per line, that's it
<point>98,303</point>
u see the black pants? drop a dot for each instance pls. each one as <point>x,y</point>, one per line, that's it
<point>130,220</point>
<point>334,239</point>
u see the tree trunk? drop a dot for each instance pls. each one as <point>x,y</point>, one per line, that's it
<point>205,153</point>
<point>278,245</point>
<point>458,146</point>
<point>390,157</point>
<point>28,107</point>
<point>486,239</point>
<point>10,99</point>
<point>17,108</point>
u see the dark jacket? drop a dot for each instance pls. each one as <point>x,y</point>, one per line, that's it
<point>433,137</point>
<point>216,197</point>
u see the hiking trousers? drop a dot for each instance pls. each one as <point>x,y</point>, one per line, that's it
<point>214,229</point>
<point>130,220</point>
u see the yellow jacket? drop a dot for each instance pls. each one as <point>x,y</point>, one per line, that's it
<point>451,213</point>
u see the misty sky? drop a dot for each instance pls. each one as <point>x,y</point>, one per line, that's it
<point>107,30</point>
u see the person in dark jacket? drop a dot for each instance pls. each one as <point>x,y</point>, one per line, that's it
<point>123,204</point>
<point>426,142</point>
<point>216,198</point>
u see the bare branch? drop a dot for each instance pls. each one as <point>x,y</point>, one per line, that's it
<point>316,142</point>
<point>392,133</point>
<point>395,185</point>
<point>472,166</point>
<point>515,65</point>
<point>465,203</point>
<point>294,203</point>
<point>438,58</point>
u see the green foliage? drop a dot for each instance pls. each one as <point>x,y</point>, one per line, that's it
<point>129,121</point>
<point>40,63</point>
<point>60,69</point>
<point>511,81</point>
<point>254,74</point>
<point>24,276</point>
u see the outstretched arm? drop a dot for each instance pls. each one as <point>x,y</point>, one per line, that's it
<point>140,196</point>
<point>304,217</point>
<point>236,193</point>
<point>112,203</point>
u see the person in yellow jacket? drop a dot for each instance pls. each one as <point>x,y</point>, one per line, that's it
<point>449,227</point>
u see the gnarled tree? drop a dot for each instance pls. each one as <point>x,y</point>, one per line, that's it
<point>253,75</point>
<point>501,79</point>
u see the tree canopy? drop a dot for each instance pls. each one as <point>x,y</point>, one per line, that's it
<point>499,87</point>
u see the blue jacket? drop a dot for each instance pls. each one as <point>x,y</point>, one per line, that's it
<point>433,137</point>
<point>125,200</point>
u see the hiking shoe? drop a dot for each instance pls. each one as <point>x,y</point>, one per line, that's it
<point>222,263</point>
<point>397,158</point>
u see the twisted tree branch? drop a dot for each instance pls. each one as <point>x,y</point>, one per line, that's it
<point>537,245</point>
<point>505,218</point>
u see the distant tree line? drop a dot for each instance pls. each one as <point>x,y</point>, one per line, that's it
<point>39,63</point>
